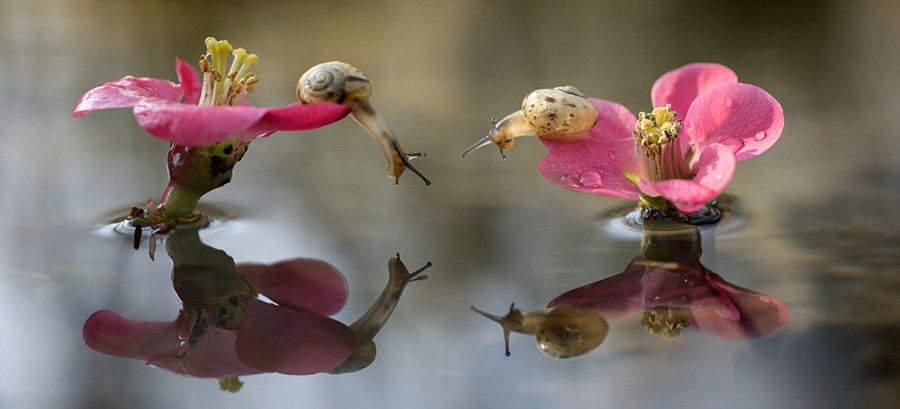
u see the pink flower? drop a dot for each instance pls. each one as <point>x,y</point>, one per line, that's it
<point>174,112</point>
<point>724,122</point>
<point>683,291</point>
<point>293,337</point>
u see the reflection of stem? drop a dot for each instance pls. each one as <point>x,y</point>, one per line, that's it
<point>206,280</point>
<point>665,242</point>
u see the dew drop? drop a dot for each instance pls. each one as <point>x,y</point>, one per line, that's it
<point>612,157</point>
<point>729,102</point>
<point>760,136</point>
<point>567,180</point>
<point>590,180</point>
<point>718,176</point>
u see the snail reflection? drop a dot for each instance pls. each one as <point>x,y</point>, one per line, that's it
<point>665,287</point>
<point>671,290</point>
<point>225,331</point>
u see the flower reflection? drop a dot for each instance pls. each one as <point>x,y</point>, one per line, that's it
<point>672,290</point>
<point>224,331</point>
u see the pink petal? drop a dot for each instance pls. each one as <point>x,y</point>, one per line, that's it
<point>288,341</point>
<point>596,164</point>
<point>109,333</point>
<point>680,287</point>
<point>297,117</point>
<point>126,92</point>
<point>306,284</point>
<point>760,314</point>
<point>713,172</point>
<point>157,343</point>
<point>193,125</point>
<point>741,116</point>
<point>189,81</point>
<point>213,356</point>
<point>618,296</point>
<point>681,86</point>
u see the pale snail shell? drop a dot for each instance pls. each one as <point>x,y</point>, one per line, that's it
<point>560,114</point>
<point>345,84</point>
<point>560,111</point>
<point>333,82</point>
<point>564,332</point>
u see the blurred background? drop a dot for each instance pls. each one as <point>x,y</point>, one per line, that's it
<point>817,225</point>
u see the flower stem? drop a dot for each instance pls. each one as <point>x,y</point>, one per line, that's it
<point>193,172</point>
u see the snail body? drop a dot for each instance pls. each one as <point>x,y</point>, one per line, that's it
<point>367,326</point>
<point>564,332</point>
<point>560,114</point>
<point>345,84</point>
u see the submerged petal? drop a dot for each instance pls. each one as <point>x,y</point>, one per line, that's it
<point>713,172</point>
<point>126,92</point>
<point>302,283</point>
<point>681,86</point>
<point>112,334</point>
<point>297,117</point>
<point>742,116</point>
<point>193,125</point>
<point>621,295</point>
<point>760,314</point>
<point>157,344</point>
<point>189,81</point>
<point>295,342</point>
<point>596,164</point>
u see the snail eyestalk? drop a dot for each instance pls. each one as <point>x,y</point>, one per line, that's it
<point>510,322</point>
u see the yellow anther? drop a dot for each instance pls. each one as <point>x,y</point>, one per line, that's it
<point>249,61</point>
<point>239,55</point>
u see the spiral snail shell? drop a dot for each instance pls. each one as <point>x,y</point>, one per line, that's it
<point>564,332</point>
<point>560,114</point>
<point>345,84</point>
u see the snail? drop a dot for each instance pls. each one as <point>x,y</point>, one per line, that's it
<point>345,84</point>
<point>559,114</point>
<point>564,332</point>
<point>367,326</point>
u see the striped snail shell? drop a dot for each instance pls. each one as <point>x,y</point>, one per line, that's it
<point>333,82</point>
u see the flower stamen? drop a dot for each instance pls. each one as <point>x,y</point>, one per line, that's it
<point>220,88</point>
<point>656,135</point>
<point>665,321</point>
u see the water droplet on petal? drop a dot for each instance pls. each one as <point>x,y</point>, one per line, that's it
<point>729,102</point>
<point>760,135</point>
<point>612,157</point>
<point>590,180</point>
<point>718,176</point>
<point>568,181</point>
